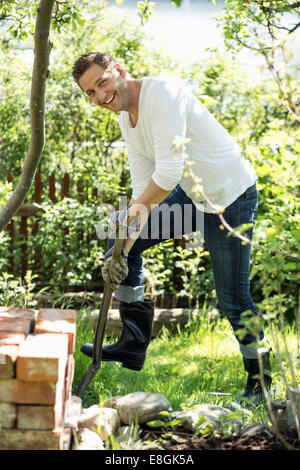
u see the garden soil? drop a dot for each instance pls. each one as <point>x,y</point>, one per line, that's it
<point>240,443</point>
<point>185,441</point>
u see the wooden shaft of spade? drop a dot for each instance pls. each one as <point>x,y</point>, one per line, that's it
<point>101,321</point>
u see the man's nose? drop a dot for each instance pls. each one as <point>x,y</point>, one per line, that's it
<point>100,95</point>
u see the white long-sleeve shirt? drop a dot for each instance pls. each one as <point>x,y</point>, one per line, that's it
<point>168,111</point>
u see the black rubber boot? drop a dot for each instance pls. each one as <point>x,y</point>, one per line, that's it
<point>253,393</point>
<point>130,349</point>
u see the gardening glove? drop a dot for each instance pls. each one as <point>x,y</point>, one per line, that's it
<point>114,271</point>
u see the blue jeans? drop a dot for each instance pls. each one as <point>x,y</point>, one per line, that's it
<point>230,258</point>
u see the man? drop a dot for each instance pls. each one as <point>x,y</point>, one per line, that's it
<point>155,112</point>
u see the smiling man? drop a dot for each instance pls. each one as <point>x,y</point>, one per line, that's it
<point>155,112</point>
<point>110,89</point>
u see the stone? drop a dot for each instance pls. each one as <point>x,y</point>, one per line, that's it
<point>66,436</point>
<point>102,420</point>
<point>211,413</point>
<point>168,318</point>
<point>41,357</point>
<point>284,413</point>
<point>53,320</point>
<point>140,407</point>
<point>214,415</point>
<point>279,410</point>
<point>291,412</point>
<point>129,437</point>
<point>293,396</point>
<point>256,430</point>
<point>73,412</point>
<point>8,415</point>
<point>127,432</point>
<point>88,440</point>
<point>112,402</point>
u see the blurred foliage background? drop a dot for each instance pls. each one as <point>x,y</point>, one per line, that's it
<point>84,141</point>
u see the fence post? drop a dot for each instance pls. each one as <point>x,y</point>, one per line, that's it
<point>65,193</point>
<point>38,200</point>
<point>66,185</point>
<point>177,272</point>
<point>52,187</point>
<point>24,233</point>
<point>80,191</point>
<point>11,231</point>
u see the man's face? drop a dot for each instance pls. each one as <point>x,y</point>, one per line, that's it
<point>106,88</point>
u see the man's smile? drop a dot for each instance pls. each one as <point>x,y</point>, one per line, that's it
<point>110,99</point>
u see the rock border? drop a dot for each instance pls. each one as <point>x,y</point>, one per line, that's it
<point>163,318</point>
<point>123,422</point>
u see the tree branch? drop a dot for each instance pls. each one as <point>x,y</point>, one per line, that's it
<point>294,28</point>
<point>256,49</point>
<point>37,112</point>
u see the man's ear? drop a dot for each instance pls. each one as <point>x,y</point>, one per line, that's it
<point>120,70</point>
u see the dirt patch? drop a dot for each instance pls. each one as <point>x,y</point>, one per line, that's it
<point>181,440</point>
<point>239,443</point>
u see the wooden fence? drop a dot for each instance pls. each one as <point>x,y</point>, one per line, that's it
<point>56,191</point>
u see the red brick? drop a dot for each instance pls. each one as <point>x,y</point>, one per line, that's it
<point>17,320</point>
<point>69,377</point>
<point>10,337</point>
<point>41,357</point>
<point>45,417</point>
<point>60,403</point>
<point>39,393</point>
<point>52,320</point>
<point>17,312</point>
<point>8,355</point>
<point>36,417</point>
<point>28,439</point>
<point>8,414</point>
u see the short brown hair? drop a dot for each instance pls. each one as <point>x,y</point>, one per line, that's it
<point>87,60</point>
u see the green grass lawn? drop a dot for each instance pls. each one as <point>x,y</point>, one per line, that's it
<point>195,365</point>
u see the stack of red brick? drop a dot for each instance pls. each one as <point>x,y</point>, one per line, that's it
<point>36,374</point>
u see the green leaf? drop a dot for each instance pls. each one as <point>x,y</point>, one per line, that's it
<point>176,2</point>
<point>164,413</point>
<point>156,424</point>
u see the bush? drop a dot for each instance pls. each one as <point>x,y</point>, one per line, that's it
<point>69,253</point>
<point>84,141</point>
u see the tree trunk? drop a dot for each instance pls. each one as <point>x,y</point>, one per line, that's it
<point>40,72</point>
